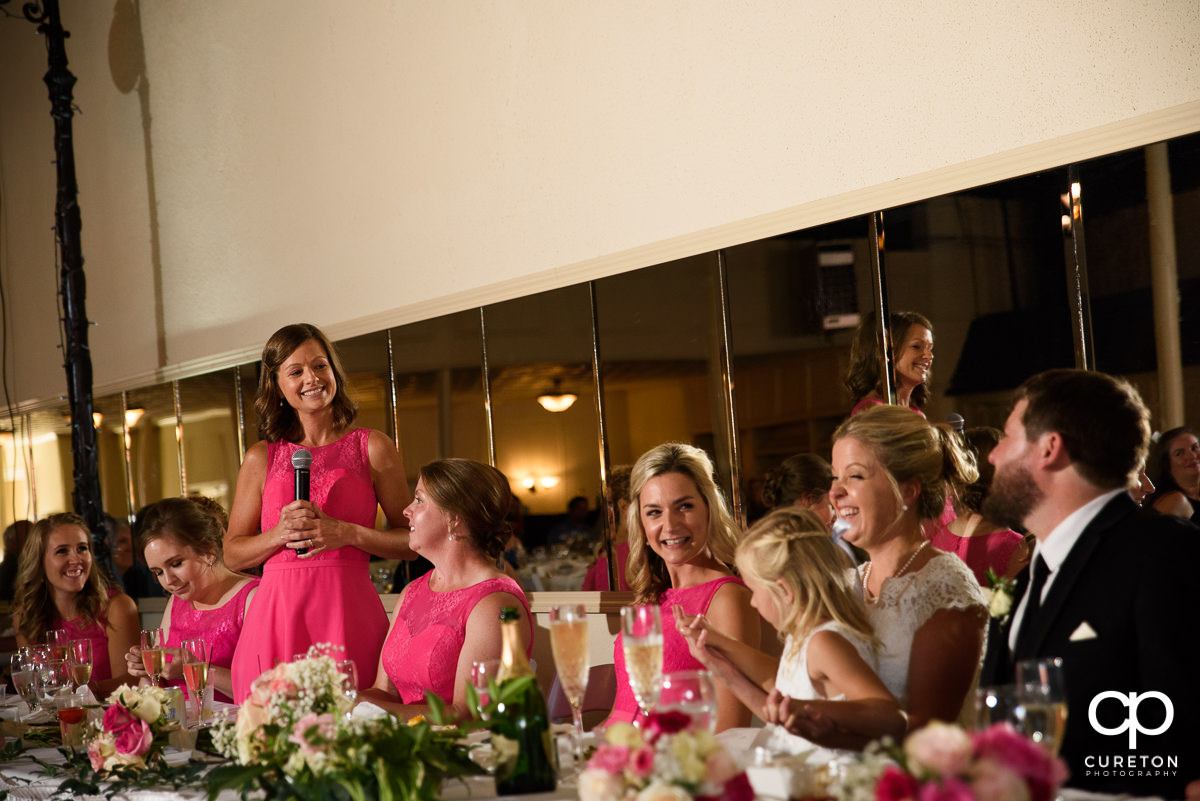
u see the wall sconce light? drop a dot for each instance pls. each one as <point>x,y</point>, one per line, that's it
<point>97,419</point>
<point>545,482</point>
<point>556,400</point>
<point>132,416</point>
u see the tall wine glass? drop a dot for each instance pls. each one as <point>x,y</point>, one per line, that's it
<point>569,643</point>
<point>641,634</point>
<point>1042,696</point>
<point>79,659</point>
<point>51,678</point>
<point>153,657</point>
<point>24,677</point>
<point>196,656</point>
<point>483,672</point>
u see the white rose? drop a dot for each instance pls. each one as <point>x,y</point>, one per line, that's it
<point>999,604</point>
<point>658,791</point>
<point>600,785</point>
<point>148,708</point>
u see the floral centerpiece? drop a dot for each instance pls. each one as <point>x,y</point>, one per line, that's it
<point>667,760</point>
<point>941,762</point>
<point>294,737</point>
<point>132,732</point>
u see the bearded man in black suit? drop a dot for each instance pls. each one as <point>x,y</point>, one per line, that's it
<point>1116,598</point>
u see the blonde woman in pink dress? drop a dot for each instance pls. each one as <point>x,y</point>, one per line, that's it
<point>181,541</point>
<point>316,587</point>
<point>448,619</point>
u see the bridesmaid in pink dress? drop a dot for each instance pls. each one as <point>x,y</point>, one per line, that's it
<point>323,595</point>
<point>448,619</point>
<point>912,360</point>
<point>681,545</point>
<point>181,540</point>
<point>59,587</point>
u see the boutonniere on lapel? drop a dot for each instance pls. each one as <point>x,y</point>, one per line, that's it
<point>999,594</point>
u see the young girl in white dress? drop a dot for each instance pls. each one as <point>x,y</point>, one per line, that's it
<point>800,586</point>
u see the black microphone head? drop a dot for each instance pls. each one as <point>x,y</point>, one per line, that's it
<point>955,420</point>
<point>302,459</point>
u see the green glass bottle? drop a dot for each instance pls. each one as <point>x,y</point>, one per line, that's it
<point>521,741</point>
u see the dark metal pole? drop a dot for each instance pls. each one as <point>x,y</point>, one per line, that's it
<point>1077,277</point>
<point>67,222</point>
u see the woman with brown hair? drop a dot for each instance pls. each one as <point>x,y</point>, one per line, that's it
<point>448,619</point>
<point>912,360</point>
<point>316,587</point>
<point>60,587</point>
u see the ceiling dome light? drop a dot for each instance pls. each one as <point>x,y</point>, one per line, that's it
<point>556,400</point>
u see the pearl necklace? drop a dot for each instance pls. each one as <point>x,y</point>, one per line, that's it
<point>867,572</point>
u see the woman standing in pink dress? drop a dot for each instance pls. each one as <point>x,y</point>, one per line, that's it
<point>448,619</point>
<point>316,587</point>
<point>912,360</point>
<point>681,545</point>
<point>181,541</point>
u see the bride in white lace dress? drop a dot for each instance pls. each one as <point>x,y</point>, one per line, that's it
<point>890,470</point>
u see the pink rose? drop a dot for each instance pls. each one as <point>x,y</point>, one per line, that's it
<point>950,789</point>
<point>610,758</point>
<point>938,749</point>
<point>1041,772</point>
<point>895,785</point>
<point>643,762</point>
<point>323,724</point>
<point>994,782</point>
<point>131,734</point>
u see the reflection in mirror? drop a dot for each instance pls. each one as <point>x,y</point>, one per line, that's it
<point>110,442</point>
<point>660,334</point>
<point>210,444</point>
<point>18,484</point>
<point>154,450</point>
<point>439,391</point>
<point>795,301</point>
<point>544,415</point>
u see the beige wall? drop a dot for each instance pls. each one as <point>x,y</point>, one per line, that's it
<point>367,168</point>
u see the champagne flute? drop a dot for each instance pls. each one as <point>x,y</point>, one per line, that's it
<point>349,680</point>
<point>153,657</point>
<point>569,644</point>
<point>642,642</point>
<point>1042,695</point>
<point>79,658</point>
<point>56,641</point>
<point>482,672</point>
<point>195,673</point>
<point>24,678</point>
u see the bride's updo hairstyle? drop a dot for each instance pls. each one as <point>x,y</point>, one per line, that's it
<point>909,448</point>
<point>645,571</point>
<point>475,493</point>
<point>276,418</point>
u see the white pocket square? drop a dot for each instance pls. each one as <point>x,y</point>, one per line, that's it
<point>1084,632</point>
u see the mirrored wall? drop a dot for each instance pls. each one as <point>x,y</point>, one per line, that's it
<point>741,352</point>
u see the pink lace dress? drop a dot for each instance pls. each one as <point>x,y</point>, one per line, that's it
<point>981,552</point>
<point>422,651</point>
<point>219,628</point>
<point>693,601</point>
<point>328,598</point>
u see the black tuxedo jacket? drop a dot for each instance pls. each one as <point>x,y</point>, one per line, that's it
<point>1123,611</point>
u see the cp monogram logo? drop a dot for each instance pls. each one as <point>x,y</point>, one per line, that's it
<point>1131,700</point>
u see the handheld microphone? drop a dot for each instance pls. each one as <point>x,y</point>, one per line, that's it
<point>301,462</point>
<point>956,422</point>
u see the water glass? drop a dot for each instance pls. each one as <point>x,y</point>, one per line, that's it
<point>691,692</point>
<point>642,643</point>
<point>51,678</point>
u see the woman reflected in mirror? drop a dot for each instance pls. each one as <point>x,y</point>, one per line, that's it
<point>912,361</point>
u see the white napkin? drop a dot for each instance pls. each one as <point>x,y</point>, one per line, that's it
<point>365,710</point>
